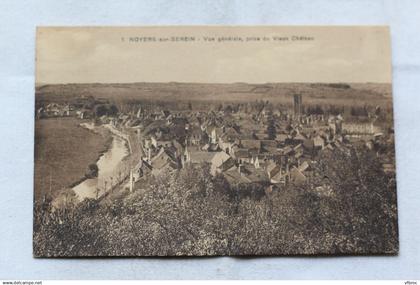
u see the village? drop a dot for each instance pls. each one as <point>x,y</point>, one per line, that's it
<point>268,147</point>
<point>214,142</point>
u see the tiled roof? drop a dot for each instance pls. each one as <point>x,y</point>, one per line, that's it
<point>250,144</point>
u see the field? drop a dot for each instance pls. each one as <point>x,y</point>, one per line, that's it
<point>355,94</point>
<point>63,151</point>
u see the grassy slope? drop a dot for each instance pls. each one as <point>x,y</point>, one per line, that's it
<point>65,150</point>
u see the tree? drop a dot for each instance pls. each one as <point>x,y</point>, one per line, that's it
<point>100,110</point>
<point>92,170</point>
<point>228,109</point>
<point>113,110</point>
<point>190,212</point>
<point>105,110</point>
<point>271,129</point>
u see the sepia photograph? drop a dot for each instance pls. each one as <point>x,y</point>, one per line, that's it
<point>214,141</point>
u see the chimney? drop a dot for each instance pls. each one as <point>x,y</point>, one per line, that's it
<point>131,180</point>
<point>256,163</point>
<point>149,155</point>
<point>186,155</point>
<point>240,169</point>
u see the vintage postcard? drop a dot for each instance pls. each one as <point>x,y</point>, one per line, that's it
<point>213,140</point>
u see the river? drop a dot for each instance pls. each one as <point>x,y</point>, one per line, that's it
<point>111,170</point>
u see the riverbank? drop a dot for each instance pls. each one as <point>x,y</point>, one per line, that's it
<point>117,132</point>
<point>111,168</point>
<point>101,153</point>
<point>63,152</point>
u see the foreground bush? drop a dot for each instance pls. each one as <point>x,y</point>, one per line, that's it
<point>189,212</point>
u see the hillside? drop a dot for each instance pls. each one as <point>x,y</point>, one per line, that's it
<point>360,93</point>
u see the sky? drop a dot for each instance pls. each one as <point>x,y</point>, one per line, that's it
<point>121,55</point>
